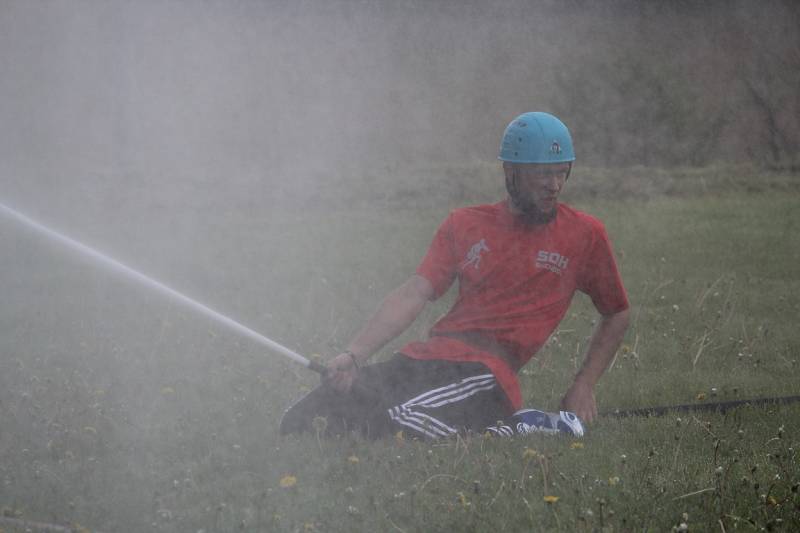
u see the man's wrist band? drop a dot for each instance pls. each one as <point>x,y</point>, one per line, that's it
<point>353,357</point>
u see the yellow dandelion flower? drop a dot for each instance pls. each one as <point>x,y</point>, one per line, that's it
<point>613,480</point>
<point>550,499</point>
<point>530,453</point>
<point>576,445</point>
<point>701,396</point>
<point>288,481</point>
<point>462,499</point>
<point>772,501</point>
<point>352,460</point>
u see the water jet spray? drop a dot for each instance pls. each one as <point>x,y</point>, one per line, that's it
<point>147,281</point>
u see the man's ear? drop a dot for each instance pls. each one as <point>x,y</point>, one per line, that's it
<point>508,169</point>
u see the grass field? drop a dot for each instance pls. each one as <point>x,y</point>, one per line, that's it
<point>121,411</point>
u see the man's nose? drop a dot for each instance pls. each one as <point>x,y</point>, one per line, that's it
<point>554,183</point>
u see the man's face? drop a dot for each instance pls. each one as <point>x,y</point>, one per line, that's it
<point>534,188</point>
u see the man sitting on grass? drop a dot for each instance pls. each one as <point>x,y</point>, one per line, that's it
<point>518,263</point>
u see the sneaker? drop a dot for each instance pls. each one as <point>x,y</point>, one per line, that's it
<point>534,421</point>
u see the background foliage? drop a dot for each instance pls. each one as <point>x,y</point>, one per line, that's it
<point>309,91</point>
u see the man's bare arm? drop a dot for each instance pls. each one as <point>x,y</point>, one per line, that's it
<point>396,312</point>
<point>602,347</point>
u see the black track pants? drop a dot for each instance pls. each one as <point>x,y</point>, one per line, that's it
<point>424,398</point>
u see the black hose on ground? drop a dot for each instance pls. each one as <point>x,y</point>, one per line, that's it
<point>720,407</point>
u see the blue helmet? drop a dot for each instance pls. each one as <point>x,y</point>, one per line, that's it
<point>536,138</point>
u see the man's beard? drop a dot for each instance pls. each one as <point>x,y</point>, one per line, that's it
<point>529,212</point>
<point>531,215</point>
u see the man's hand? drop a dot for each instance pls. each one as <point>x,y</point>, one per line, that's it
<point>604,343</point>
<point>579,399</point>
<point>342,372</point>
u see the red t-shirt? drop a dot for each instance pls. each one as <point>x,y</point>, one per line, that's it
<point>516,282</point>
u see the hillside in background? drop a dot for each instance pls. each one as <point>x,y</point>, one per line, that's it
<point>190,92</point>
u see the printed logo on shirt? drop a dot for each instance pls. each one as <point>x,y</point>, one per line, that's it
<point>474,255</point>
<point>552,261</point>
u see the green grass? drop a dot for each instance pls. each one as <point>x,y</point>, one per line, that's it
<point>121,411</point>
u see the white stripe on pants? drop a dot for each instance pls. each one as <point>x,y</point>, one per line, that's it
<point>408,414</point>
